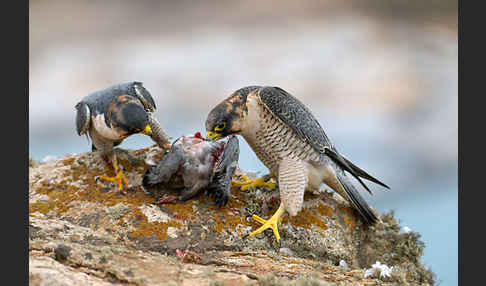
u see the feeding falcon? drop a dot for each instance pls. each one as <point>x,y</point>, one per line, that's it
<point>291,143</point>
<point>109,116</point>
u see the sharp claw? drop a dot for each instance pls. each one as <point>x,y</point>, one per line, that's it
<point>119,179</point>
<point>271,223</point>
<point>258,182</point>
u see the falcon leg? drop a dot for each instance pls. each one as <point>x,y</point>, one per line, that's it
<point>270,223</point>
<point>158,134</point>
<point>258,182</point>
<point>119,178</point>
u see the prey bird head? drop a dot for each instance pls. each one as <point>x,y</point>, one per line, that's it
<point>226,118</point>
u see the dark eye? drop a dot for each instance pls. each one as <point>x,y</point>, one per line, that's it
<point>220,126</point>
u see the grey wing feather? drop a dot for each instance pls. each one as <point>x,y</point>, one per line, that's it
<point>165,169</point>
<point>99,100</point>
<point>220,187</point>
<point>341,162</point>
<point>83,118</point>
<point>356,200</point>
<point>299,118</point>
<point>230,155</point>
<point>295,115</point>
<point>362,173</point>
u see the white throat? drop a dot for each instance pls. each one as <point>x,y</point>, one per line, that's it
<point>101,128</point>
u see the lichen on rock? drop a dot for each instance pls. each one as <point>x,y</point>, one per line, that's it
<point>126,238</point>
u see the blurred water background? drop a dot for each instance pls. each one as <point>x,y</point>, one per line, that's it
<point>380,76</point>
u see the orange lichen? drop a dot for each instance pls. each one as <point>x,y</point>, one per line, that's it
<point>227,221</point>
<point>42,207</point>
<point>325,210</point>
<point>182,211</point>
<point>305,218</point>
<point>68,161</point>
<point>146,228</point>
<point>61,194</point>
<point>351,223</point>
<point>349,216</point>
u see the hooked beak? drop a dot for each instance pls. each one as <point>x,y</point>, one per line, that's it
<point>147,131</point>
<point>211,136</point>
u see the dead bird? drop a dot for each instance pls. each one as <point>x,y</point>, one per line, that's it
<point>194,164</point>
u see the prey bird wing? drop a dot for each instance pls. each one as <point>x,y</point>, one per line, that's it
<point>292,182</point>
<point>220,187</point>
<point>299,118</point>
<point>166,168</point>
<point>230,155</point>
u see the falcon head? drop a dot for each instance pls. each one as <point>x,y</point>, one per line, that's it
<point>227,117</point>
<point>127,114</point>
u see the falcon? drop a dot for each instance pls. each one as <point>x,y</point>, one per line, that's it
<point>291,143</point>
<point>109,116</point>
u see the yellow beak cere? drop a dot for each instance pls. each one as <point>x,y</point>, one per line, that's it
<point>147,130</point>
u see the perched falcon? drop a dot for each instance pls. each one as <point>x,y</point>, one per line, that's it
<point>108,116</point>
<point>194,164</point>
<point>287,138</point>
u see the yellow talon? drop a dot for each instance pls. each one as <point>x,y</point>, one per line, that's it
<point>270,223</point>
<point>120,179</point>
<point>258,182</point>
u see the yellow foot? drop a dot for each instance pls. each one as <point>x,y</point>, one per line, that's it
<point>258,182</point>
<point>120,179</point>
<point>270,223</point>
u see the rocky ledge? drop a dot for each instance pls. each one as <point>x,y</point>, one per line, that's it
<point>83,232</point>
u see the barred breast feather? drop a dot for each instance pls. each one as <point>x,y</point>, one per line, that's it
<point>296,116</point>
<point>271,139</point>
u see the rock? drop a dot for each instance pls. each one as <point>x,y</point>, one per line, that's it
<point>286,251</point>
<point>83,232</point>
